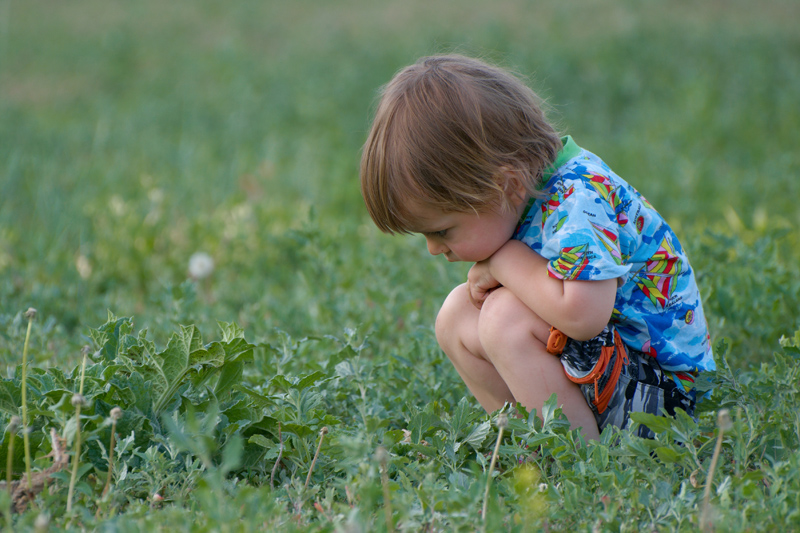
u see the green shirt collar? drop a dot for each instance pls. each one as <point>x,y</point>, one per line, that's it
<point>569,150</point>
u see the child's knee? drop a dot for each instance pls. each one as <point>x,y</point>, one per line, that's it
<point>507,322</point>
<point>450,316</point>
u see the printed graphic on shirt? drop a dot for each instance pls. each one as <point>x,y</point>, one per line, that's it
<point>609,240</point>
<point>658,279</point>
<point>552,204</point>
<point>570,263</point>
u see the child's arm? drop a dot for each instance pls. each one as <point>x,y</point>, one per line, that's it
<point>580,309</point>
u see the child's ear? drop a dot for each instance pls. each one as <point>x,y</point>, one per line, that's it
<point>513,184</point>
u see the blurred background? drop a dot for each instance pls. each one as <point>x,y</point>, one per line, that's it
<point>134,135</point>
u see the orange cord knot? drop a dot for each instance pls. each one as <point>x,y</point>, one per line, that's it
<point>556,341</point>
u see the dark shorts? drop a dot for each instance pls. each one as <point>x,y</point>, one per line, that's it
<point>616,385</point>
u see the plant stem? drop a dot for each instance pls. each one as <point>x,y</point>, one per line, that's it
<point>77,401</point>
<point>383,457</point>
<point>31,314</point>
<point>110,459</point>
<point>723,423</point>
<point>322,433</point>
<point>76,458</point>
<point>10,462</point>
<point>502,423</point>
<point>278,460</point>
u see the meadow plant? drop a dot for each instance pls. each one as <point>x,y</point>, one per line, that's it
<point>78,401</point>
<point>723,424</point>
<point>322,433</point>
<point>115,415</point>
<point>502,424</point>
<point>30,314</point>
<point>13,426</point>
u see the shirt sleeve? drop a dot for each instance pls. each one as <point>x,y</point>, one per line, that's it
<point>580,235</point>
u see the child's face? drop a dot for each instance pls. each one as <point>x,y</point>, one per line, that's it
<point>465,236</point>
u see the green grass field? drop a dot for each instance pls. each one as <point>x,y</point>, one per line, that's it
<point>135,134</point>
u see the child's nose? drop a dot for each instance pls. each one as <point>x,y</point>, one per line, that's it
<point>435,247</point>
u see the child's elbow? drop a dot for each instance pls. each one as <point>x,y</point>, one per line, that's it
<point>588,308</point>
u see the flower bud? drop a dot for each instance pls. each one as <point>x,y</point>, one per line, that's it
<point>78,400</point>
<point>13,424</point>
<point>381,454</point>
<point>502,421</point>
<point>724,420</point>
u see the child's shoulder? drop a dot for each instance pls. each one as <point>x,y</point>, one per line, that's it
<point>587,170</point>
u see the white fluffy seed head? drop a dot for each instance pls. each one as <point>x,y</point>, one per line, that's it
<point>13,424</point>
<point>42,522</point>
<point>78,400</point>
<point>201,265</point>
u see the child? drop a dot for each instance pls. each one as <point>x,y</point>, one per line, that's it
<point>579,287</point>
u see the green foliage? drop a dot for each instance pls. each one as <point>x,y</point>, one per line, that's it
<point>133,138</point>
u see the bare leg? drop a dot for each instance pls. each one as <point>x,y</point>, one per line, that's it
<point>499,352</point>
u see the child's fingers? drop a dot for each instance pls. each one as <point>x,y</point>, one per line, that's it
<point>477,295</point>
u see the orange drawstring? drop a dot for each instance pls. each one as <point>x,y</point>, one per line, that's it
<point>555,345</point>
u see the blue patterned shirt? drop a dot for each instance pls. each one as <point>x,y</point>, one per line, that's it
<point>590,224</point>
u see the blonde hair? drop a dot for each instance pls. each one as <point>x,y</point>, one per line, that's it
<point>445,129</point>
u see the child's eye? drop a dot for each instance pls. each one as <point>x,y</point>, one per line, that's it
<point>440,234</point>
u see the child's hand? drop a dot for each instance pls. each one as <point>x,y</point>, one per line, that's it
<point>480,283</point>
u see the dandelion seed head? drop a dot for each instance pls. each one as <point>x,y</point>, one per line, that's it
<point>117,205</point>
<point>116,413</point>
<point>83,266</point>
<point>30,314</point>
<point>78,400</point>
<point>201,265</point>
<point>502,421</point>
<point>13,424</point>
<point>381,454</point>
<point>724,420</point>
<point>42,522</point>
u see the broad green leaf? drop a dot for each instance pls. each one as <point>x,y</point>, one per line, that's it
<point>462,415</point>
<point>309,380</point>
<point>280,383</point>
<point>549,410</point>
<point>299,430</point>
<point>421,423</point>
<point>229,375</point>
<point>10,397</point>
<point>658,424</point>
<point>107,336</point>
<point>478,434</point>
<point>261,400</point>
<point>232,454</point>
<point>230,331</point>
<point>183,356</point>
<point>262,441</point>
<point>668,455</point>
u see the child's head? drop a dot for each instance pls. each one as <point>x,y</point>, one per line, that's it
<point>446,132</point>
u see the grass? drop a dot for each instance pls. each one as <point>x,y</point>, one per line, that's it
<point>133,135</point>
